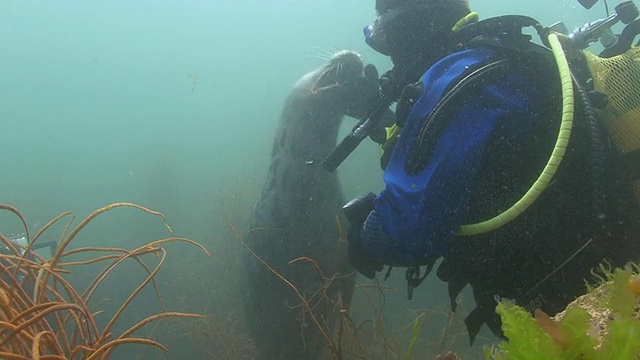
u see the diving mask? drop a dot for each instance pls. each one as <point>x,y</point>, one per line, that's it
<point>375,38</point>
<point>374,34</point>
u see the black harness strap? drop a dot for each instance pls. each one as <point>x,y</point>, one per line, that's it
<point>414,279</point>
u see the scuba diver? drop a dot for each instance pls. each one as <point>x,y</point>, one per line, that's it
<point>487,166</point>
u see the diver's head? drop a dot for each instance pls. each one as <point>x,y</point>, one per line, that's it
<point>408,27</point>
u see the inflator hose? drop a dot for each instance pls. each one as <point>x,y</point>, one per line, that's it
<point>556,155</point>
<point>597,154</point>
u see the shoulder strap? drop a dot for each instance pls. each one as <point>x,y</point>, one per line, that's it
<point>506,33</point>
<point>438,119</point>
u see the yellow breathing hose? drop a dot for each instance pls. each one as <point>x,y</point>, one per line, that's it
<point>556,155</point>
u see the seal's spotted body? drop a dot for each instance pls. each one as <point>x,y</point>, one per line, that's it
<point>296,216</point>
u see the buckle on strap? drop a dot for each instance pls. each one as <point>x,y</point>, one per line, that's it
<point>414,279</point>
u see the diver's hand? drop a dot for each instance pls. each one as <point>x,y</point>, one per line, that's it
<point>371,85</point>
<point>358,258</point>
<point>357,211</point>
<point>369,89</point>
<point>379,133</point>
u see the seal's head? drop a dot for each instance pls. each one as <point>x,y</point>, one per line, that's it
<point>345,67</point>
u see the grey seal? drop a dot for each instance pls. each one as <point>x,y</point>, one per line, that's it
<point>299,213</point>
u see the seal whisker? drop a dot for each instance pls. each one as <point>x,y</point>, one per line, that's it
<point>323,55</point>
<point>317,90</point>
<point>330,53</point>
<point>317,57</point>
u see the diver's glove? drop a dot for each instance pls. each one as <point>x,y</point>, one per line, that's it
<point>356,212</point>
<point>358,258</point>
<point>388,118</point>
<point>369,88</point>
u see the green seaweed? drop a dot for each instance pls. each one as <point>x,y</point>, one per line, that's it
<point>528,340</point>
<point>623,340</point>
<point>414,338</point>
<point>575,327</point>
<point>622,301</point>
